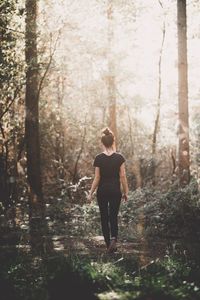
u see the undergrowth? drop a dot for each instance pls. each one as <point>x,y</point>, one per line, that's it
<point>103,277</point>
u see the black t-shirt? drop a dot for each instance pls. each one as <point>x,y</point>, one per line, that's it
<point>109,172</point>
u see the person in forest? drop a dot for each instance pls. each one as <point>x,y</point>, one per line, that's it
<point>109,176</point>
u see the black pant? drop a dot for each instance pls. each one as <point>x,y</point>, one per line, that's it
<point>109,208</point>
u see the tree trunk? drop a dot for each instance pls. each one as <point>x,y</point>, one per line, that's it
<point>36,203</point>
<point>60,138</point>
<point>157,120</point>
<point>183,132</point>
<point>136,168</point>
<point>111,74</point>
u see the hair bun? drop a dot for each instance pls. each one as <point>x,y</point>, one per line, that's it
<point>107,137</point>
<point>107,131</point>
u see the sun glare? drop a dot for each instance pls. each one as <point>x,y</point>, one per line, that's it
<point>143,36</point>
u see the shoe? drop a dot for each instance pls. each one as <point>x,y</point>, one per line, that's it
<point>113,246</point>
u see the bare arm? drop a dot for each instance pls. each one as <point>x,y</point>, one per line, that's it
<point>95,182</point>
<point>123,180</point>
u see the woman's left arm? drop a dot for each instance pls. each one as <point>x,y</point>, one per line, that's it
<point>95,183</point>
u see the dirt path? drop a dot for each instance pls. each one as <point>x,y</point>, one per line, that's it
<point>94,246</point>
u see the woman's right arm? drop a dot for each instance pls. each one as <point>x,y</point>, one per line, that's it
<point>95,183</point>
<point>123,180</point>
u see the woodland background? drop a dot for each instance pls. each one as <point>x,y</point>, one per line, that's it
<point>67,70</point>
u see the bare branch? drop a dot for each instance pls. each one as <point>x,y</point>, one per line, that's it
<point>13,30</point>
<point>11,102</point>
<point>48,65</point>
<point>79,155</point>
<point>160,2</point>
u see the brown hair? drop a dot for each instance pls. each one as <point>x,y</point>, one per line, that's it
<point>107,137</point>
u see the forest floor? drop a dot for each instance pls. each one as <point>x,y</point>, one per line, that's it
<point>90,246</point>
<point>141,266</point>
<point>78,231</point>
<point>95,247</point>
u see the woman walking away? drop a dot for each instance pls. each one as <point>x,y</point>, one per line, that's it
<point>109,173</point>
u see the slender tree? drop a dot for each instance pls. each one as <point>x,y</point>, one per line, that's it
<point>156,125</point>
<point>36,203</point>
<point>9,81</point>
<point>60,139</point>
<point>111,73</point>
<point>183,131</point>
<point>157,119</point>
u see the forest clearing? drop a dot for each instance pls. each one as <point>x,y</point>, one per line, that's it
<point>99,150</point>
